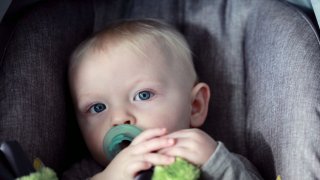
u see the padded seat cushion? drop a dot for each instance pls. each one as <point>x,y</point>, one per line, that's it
<point>34,92</point>
<point>260,57</point>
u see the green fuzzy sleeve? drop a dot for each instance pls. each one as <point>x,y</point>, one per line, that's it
<point>179,170</point>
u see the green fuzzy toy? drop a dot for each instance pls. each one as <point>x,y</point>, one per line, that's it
<point>44,173</point>
<point>179,170</point>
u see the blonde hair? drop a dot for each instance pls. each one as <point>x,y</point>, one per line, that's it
<point>135,34</point>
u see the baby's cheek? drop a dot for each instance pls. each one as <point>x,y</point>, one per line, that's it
<point>179,119</point>
<point>173,123</point>
<point>98,155</point>
<point>94,143</point>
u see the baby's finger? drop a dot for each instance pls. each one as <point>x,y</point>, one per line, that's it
<point>185,133</point>
<point>185,143</point>
<point>138,166</point>
<point>158,159</point>
<point>152,145</point>
<point>146,161</point>
<point>189,149</point>
<point>149,134</point>
<point>182,152</point>
<point>176,151</point>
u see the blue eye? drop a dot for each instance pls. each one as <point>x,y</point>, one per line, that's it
<point>143,96</point>
<point>97,108</point>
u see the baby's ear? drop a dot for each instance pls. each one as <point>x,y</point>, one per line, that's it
<point>200,102</point>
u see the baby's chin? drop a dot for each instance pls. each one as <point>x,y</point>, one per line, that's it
<point>100,158</point>
<point>102,161</point>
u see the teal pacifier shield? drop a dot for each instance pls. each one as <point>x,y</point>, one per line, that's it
<point>117,138</point>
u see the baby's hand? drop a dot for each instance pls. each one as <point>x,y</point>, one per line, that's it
<point>194,145</point>
<point>139,155</point>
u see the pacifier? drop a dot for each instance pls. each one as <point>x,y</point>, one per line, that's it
<point>117,138</point>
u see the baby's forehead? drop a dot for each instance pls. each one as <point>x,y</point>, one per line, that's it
<point>146,49</point>
<point>174,53</point>
<point>145,53</point>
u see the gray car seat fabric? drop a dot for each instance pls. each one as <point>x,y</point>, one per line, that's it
<point>260,57</point>
<point>282,92</point>
<point>33,93</point>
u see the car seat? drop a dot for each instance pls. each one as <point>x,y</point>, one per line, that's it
<point>260,57</point>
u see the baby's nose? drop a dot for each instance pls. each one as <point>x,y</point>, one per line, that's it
<point>124,122</point>
<point>121,117</point>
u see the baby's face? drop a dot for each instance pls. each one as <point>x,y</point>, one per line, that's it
<point>120,86</point>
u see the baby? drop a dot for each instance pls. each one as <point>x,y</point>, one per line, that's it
<point>140,72</point>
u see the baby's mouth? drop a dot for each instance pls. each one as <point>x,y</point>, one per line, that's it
<point>118,138</point>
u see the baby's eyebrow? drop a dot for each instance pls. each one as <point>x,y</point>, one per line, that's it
<point>82,106</point>
<point>148,80</point>
<point>149,84</point>
<point>85,101</point>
